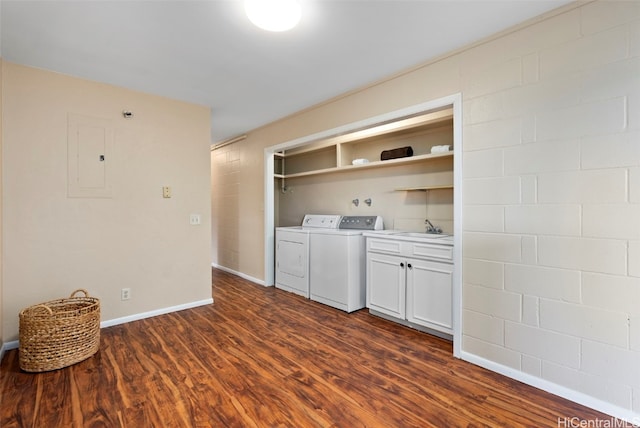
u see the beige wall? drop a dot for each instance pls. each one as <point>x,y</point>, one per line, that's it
<point>333,193</point>
<point>551,173</point>
<point>54,244</point>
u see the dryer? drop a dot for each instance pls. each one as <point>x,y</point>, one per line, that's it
<point>292,252</point>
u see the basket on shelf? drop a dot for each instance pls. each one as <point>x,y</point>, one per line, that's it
<point>59,333</point>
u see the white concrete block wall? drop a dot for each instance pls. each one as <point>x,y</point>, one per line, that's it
<point>484,218</point>
<point>551,216</point>
<point>531,365</point>
<point>617,364</point>
<point>599,186</point>
<point>590,255</point>
<point>559,348</point>
<point>484,327</point>
<point>618,221</point>
<point>497,353</point>
<point>531,310</point>
<point>494,303</point>
<point>538,281</point>
<point>634,333</point>
<point>611,292</point>
<point>541,219</point>
<point>534,157</point>
<point>484,163</point>
<point>529,249</point>
<point>580,320</point>
<point>634,181</point>
<point>484,273</point>
<point>634,258</point>
<point>595,386</point>
<point>493,246</point>
<point>528,189</point>
<point>500,190</point>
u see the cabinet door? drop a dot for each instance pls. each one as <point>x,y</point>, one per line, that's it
<point>429,294</point>
<point>386,276</point>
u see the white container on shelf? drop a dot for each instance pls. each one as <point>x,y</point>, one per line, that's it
<point>359,161</point>
<point>440,149</point>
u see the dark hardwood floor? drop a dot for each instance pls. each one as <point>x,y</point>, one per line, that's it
<point>262,357</point>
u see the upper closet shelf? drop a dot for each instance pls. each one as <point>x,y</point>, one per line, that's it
<point>375,164</point>
<point>336,154</point>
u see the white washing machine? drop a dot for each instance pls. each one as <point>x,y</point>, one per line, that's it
<point>337,260</point>
<point>292,252</point>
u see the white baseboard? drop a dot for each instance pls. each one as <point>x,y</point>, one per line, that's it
<point>561,391</point>
<point>241,275</point>
<point>3,348</point>
<point>9,345</point>
<point>14,344</point>
<point>162,311</point>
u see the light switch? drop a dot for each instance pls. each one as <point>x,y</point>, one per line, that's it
<point>194,219</point>
<point>166,192</point>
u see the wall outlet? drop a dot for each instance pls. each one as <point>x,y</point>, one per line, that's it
<point>125,294</point>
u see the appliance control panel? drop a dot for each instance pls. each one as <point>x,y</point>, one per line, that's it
<point>361,222</point>
<point>321,221</point>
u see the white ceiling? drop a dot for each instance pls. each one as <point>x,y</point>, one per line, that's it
<point>206,52</point>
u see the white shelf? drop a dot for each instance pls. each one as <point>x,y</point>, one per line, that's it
<point>376,164</point>
<point>424,188</point>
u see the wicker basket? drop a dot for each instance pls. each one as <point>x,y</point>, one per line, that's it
<point>59,333</point>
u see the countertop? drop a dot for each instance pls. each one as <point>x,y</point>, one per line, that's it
<point>402,235</point>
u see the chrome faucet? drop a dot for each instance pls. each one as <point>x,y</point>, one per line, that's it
<point>431,228</point>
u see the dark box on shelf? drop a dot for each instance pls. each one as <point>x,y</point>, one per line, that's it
<point>402,152</point>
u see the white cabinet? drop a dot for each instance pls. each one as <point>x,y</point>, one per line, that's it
<point>411,281</point>
<point>429,294</point>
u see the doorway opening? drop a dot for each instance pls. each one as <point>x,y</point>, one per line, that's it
<point>274,179</point>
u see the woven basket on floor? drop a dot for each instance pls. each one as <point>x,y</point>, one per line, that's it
<point>59,333</point>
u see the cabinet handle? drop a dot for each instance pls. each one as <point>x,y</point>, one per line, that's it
<point>401,264</point>
<point>409,265</point>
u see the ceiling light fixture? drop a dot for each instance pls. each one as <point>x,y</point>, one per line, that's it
<point>273,15</point>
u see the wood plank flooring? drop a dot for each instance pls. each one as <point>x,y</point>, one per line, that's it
<point>262,357</point>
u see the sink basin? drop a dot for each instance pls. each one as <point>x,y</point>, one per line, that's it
<point>423,235</point>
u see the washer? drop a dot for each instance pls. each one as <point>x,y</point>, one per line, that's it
<point>337,260</point>
<point>292,252</point>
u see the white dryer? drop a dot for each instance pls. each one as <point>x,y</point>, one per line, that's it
<point>292,252</point>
